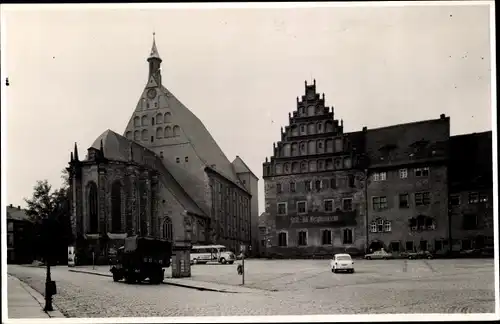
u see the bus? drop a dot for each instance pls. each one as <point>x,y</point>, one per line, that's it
<point>201,254</point>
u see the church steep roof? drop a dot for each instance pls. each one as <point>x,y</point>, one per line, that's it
<point>119,148</point>
<point>202,141</point>
<point>241,167</point>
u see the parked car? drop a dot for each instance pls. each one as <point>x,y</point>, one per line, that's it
<point>342,262</point>
<point>381,254</point>
<point>420,255</point>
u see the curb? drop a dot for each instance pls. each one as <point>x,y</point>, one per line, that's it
<point>56,313</point>
<point>165,283</point>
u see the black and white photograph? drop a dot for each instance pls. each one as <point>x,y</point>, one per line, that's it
<point>249,162</point>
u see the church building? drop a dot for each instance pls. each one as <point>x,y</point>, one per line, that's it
<point>164,177</point>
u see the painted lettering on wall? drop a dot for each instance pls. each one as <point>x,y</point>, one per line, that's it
<point>313,219</point>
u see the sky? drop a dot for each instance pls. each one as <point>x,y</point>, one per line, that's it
<point>75,72</point>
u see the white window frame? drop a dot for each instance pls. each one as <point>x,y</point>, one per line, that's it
<point>333,205</point>
<point>387,226</point>
<point>403,173</point>
<point>307,237</point>
<point>278,208</point>
<point>331,236</point>
<point>380,222</point>
<point>305,208</point>
<point>286,236</point>
<point>373,227</point>
<point>343,199</point>
<point>376,176</point>
<point>422,172</point>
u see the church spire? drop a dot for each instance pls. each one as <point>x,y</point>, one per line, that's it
<point>154,61</point>
<point>154,51</point>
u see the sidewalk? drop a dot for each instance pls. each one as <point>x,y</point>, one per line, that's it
<point>181,282</point>
<point>24,302</point>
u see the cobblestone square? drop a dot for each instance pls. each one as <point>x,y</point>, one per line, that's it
<point>283,287</point>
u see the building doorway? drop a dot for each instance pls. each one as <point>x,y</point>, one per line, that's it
<point>423,245</point>
<point>375,246</point>
<point>409,246</point>
<point>395,247</point>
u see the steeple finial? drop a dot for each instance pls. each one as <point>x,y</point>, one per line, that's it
<point>154,51</point>
<point>76,153</point>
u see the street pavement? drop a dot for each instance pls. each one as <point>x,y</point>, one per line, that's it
<point>283,287</point>
<point>25,302</point>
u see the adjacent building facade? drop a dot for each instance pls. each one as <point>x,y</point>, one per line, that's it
<point>327,191</point>
<point>164,177</point>
<point>20,236</point>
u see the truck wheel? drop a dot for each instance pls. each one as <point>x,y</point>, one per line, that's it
<point>116,277</point>
<point>231,262</point>
<point>222,260</point>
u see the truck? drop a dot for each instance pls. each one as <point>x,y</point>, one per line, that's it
<point>142,258</point>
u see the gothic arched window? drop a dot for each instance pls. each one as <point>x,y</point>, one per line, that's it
<point>144,120</point>
<point>116,207</point>
<point>93,210</point>
<point>167,229</point>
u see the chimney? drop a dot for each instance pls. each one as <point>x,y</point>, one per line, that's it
<point>10,206</point>
<point>443,116</point>
<point>18,207</point>
<point>365,128</point>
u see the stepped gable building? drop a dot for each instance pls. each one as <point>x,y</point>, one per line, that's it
<point>165,171</point>
<point>407,187</point>
<point>315,183</point>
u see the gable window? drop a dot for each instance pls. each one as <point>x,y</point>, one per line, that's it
<point>403,173</point>
<point>380,176</point>
<point>302,238</point>
<point>186,159</point>
<point>379,203</point>
<point>422,199</point>
<point>326,237</point>
<point>301,207</point>
<point>404,201</point>
<point>282,208</point>
<point>282,239</point>
<point>422,172</point>
<point>347,236</point>
<point>455,200</point>
<point>278,187</point>
<point>292,186</point>
<point>328,203</point>
<point>347,204</point>
<point>177,160</point>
